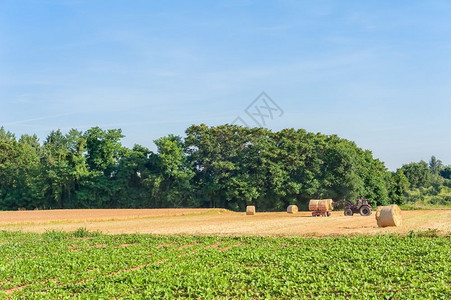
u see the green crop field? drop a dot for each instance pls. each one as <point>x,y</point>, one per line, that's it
<point>93,265</point>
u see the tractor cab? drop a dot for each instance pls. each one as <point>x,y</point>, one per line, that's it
<point>363,202</point>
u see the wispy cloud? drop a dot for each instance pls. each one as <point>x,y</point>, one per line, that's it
<point>27,121</point>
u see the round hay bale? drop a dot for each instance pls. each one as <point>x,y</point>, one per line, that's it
<point>292,209</point>
<point>388,216</point>
<point>320,205</point>
<point>313,204</point>
<point>330,203</point>
<point>250,210</point>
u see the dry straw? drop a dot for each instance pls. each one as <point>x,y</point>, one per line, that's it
<point>388,216</point>
<point>250,210</point>
<point>292,209</point>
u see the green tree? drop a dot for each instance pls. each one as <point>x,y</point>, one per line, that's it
<point>221,166</point>
<point>341,171</point>
<point>129,181</point>
<point>103,149</point>
<point>435,165</point>
<point>418,174</point>
<point>20,184</point>
<point>398,186</point>
<point>56,170</point>
<point>64,167</point>
<point>103,152</point>
<point>236,166</point>
<point>170,175</point>
<point>227,165</point>
<point>6,135</point>
<point>446,172</point>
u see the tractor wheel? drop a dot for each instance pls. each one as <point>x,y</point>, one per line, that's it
<point>348,212</point>
<point>365,211</point>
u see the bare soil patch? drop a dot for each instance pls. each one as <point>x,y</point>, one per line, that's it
<point>217,222</point>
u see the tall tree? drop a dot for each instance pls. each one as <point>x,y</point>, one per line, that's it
<point>418,174</point>
<point>6,135</point>
<point>398,186</point>
<point>129,181</point>
<point>169,180</point>
<point>435,165</point>
<point>20,184</point>
<point>56,170</point>
<point>103,149</point>
<point>103,152</point>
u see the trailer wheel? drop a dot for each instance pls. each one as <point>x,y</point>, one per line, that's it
<point>328,213</point>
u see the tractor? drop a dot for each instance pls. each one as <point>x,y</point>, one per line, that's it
<point>361,207</point>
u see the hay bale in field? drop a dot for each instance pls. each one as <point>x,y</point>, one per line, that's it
<point>292,209</point>
<point>250,210</point>
<point>313,204</point>
<point>388,216</point>
<point>320,205</point>
<point>330,202</point>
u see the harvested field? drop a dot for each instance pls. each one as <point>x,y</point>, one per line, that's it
<point>217,222</point>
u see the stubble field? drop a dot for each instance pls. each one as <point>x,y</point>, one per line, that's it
<point>217,222</point>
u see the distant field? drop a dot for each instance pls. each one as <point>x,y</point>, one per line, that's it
<point>217,222</point>
<point>92,266</point>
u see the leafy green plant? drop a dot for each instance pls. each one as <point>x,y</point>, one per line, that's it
<point>61,265</point>
<point>431,232</point>
<point>83,232</point>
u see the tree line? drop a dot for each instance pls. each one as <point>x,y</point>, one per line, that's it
<point>224,166</point>
<point>428,181</point>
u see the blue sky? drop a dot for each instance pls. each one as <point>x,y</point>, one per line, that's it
<point>375,72</point>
